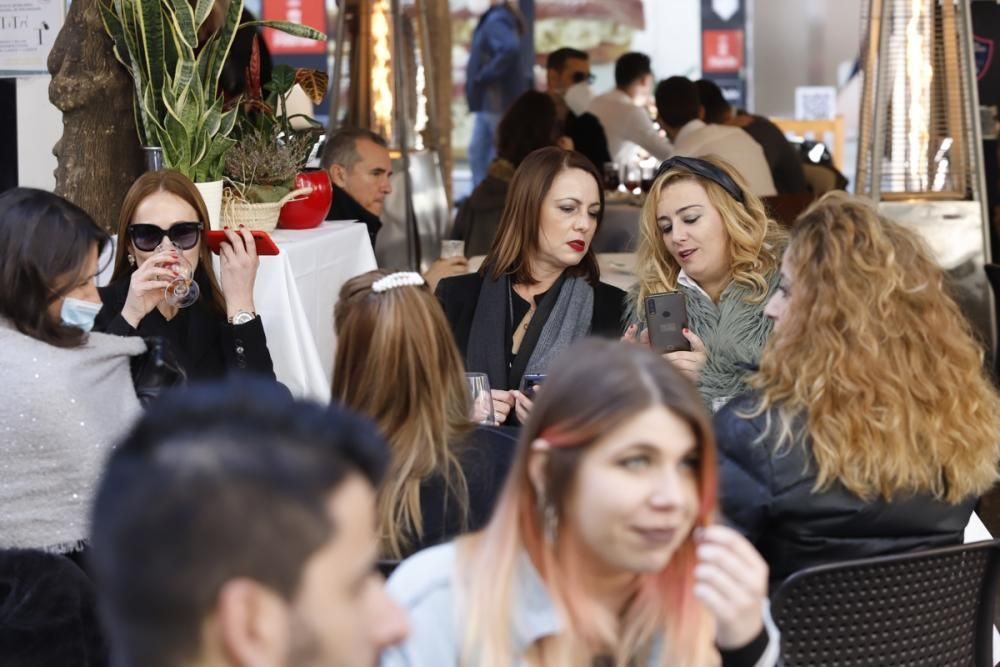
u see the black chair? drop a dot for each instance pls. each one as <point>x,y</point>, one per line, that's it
<point>929,608</point>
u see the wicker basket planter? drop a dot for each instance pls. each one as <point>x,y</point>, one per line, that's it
<point>237,211</point>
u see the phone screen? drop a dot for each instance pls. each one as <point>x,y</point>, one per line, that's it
<point>529,383</point>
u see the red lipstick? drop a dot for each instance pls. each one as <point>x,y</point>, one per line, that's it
<point>578,246</point>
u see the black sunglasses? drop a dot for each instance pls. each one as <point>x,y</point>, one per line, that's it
<point>704,169</point>
<point>582,76</point>
<point>184,235</point>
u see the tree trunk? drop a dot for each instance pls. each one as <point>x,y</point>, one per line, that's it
<point>98,155</point>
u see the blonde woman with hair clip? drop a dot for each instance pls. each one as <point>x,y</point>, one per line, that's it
<point>603,548</point>
<point>703,233</point>
<point>871,427</point>
<point>396,362</point>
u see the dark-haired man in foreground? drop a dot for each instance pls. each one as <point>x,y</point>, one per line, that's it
<point>235,526</point>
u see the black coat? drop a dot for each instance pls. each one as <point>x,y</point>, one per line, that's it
<point>202,341</point>
<point>459,297</point>
<point>770,499</point>
<point>345,207</point>
<point>485,456</point>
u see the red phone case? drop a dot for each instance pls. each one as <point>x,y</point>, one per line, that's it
<point>265,244</point>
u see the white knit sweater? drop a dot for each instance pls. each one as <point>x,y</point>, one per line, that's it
<point>61,411</point>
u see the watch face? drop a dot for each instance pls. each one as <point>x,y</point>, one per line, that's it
<point>242,318</point>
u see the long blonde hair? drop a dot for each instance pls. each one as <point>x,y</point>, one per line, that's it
<point>755,240</point>
<point>879,361</point>
<point>595,387</point>
<point>396,362</point>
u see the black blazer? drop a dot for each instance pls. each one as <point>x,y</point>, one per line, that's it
<point>203,342</point>
<point>486,455</point>
<point>459,296</point>
<point>770,500</point>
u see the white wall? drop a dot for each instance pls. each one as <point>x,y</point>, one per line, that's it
<point>39,126</point>
<point>672,38</point>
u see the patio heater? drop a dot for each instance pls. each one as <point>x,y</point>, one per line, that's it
<point>920,143</point>
<point>389,89</point>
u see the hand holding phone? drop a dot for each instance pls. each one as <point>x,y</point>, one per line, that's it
<point>666,319</point>
<point>262,241</point>
<point>530,382</point>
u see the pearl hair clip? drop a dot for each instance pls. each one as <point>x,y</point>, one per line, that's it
<point>400,279</point>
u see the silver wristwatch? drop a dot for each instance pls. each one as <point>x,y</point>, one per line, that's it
<point>242,317</point>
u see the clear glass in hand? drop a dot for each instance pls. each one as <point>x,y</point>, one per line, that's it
<point>481,400</point>
<point>182,291</point>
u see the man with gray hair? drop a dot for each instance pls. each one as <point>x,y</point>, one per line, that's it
<point>358,163</point>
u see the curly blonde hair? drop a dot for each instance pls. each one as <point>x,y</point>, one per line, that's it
<point>876,363</point>
<point>755,240</point>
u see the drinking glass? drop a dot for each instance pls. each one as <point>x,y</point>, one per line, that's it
<point>633,176</point>
<point>612,176</point>
<point>182,291</point>
<point>452,248</point>
<point>481,399</point>
<point>648,172</point>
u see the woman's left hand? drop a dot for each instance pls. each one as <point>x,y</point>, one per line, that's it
<point>731,580</point>
<point>690,363</point>
<point>239,262</point>
<point>522,406</point>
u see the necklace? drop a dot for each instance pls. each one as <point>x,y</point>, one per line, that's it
<point>510,306</point>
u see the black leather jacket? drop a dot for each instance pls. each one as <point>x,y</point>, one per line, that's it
<point>770,499</point>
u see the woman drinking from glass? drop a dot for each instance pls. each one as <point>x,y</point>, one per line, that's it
<point>539,287</point>
<point>602,549</point>
<point>703,233</point>
<point>211,329</point>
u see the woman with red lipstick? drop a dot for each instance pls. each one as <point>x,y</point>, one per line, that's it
<point>602,549</point>
<point>703,233</point>
<point>539,287</point>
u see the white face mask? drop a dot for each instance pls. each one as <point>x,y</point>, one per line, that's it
<point>79,313</point>
<point>578,97</point>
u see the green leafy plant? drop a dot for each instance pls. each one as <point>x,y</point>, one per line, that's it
<point>178,105</point>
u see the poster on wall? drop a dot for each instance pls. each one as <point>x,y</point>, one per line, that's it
<point>723,47</point>
<point>28,29</point>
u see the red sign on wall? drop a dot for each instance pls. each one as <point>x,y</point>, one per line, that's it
<point>307,12</point>
<point>721,50</point>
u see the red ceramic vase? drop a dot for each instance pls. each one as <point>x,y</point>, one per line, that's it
<point>311,210</point>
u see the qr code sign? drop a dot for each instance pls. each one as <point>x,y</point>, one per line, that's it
<point>815,102</point>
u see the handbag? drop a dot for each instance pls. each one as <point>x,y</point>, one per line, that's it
<point>155,371</point>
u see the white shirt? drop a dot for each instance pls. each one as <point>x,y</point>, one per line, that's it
<point>628,128</point>
<point>698,139</point>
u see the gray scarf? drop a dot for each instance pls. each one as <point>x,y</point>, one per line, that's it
<point>563,316</point>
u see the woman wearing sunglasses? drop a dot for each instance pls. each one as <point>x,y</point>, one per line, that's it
<point>162,217</point>
<point>705,234</point>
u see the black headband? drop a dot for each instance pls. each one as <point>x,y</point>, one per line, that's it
<point>705,169</point>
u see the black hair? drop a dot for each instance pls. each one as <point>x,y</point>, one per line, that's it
<point>530,123</point>
<point>713,101</point>
<point>43,239</point>
<point>631,67</point>
<point>48,612</point>
<point>216,481</point>
<point>677,101</point>
<point>557,59</point>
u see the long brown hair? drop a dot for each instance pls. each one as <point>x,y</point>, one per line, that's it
<point>594,387</point>
<point>755,240</point>
<point>397,362</point>
<point>878,362</point>
<point>517,235</point>
<point>176,183</point>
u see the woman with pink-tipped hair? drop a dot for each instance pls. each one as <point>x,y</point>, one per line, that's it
<point>602,549</point>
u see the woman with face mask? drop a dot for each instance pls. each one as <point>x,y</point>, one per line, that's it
<point>160,234</point>
<point>703,233</point>
<point>68,393</point>
<point>603,548</point>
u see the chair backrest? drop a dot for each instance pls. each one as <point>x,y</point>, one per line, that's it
<point>830,131</point>
<point>785,208</point>
<point>930,608</point>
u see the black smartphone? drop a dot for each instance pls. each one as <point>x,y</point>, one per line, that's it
<point>529,382</point>
<point>666,318</point>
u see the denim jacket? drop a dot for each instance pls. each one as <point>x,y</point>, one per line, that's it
<point>424,585</point>
<point>493,77</point>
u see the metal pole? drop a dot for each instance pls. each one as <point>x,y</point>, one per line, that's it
<point>338,63</point>
<point>882,81</point>
<point>402,118</point>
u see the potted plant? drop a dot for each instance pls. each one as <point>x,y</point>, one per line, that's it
<point>178,106</point>
<point>266,164</point>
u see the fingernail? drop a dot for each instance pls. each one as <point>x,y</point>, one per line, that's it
<point>226,227</point>
<point>241,226</point>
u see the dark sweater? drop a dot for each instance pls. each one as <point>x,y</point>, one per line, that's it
<point>345,207</point>
<point>202,341</point>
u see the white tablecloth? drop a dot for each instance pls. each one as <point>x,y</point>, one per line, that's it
<point>295,293</point>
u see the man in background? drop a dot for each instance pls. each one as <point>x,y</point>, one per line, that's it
<point>623,114</point>
<point>782,157</point>
<point>681,113</point>
<point>568,78</point>
<point>359,166</point>
<point>235,526</point>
